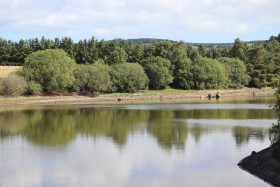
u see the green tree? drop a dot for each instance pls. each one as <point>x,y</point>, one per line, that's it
<point>128,77</point>
<point>51,68</point>
<point>207,74</point>
<point>158,71</point>
<point>92,78</point>
<point>56,43</point>
<point>182,67</point>
<point>202,50</point>
<point>239,50</point>
<point>117,56</point>
<point>272,45</point>
<point>67,45</point>
<point>235,71</point>
<point>163,49</point>
<point>261,66</point>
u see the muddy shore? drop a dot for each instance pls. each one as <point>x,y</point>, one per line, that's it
<point>140,97</point>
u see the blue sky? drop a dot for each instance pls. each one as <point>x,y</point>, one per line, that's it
<point>188,20</point>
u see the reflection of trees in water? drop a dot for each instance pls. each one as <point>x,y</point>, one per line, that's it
<point>110,122</point>
<point>242,134</point>
<point>12,122</point>
<point>225,114</point>
<point>197,132</point>
<point>166,130</point>
<point>51,128</point>
<point>57,127</point>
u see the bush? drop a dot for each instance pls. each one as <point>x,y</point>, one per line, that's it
<point>117,56</point>
<point>92,78</point>
<point>182,68</point>
<point>128,77</point>
<point>33,88</point>
<point>13,85</point>
<point>51,68</point>
<point>158,71</point>
<point>207,73</point>
<point>236,72</point>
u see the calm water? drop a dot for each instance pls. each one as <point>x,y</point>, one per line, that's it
<point>133,145</point>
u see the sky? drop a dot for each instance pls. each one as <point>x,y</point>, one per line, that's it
<point>188,20</point>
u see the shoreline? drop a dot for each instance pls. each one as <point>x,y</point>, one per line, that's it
<point>263,166</point>
<point>172,96</point>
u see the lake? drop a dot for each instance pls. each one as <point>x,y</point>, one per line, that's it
<point>182,144</point>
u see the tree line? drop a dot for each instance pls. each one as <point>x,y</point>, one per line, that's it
<point>129,66</point>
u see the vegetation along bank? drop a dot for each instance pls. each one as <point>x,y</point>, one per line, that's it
<point>91,67</point>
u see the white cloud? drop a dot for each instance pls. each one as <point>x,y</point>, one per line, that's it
<point>257,1</point>
<point>241,28</point>
<point>155,17</point>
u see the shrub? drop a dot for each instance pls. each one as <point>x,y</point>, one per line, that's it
<point>92,78</point>
<point>13,85</point>
<point>207,73</point>
<point>236,72</point>
<point>51,68</point>
<point>128,77</point>
<point>117,56</point>
<point>158,71</point>
<point>33,88</point>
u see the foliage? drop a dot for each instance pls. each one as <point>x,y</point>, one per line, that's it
<point>92,78</point>
<point>182,68</point>
<point>262,59</point>
<point>128,77</point>
<point>235,72</point>
<point>51,68</point>
<point>117,56</point>
<point>275,129</point>
<point>13,85</point>
<point>239,50</point>
<point>275,81</point>
<point>262,66</point>
<point>33,88</point>
<point>206,73</point>
<point>202,50</point>
<point>158,71</point>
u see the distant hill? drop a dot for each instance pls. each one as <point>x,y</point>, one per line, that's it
<point>221,45</point>
<point>207,45</point>
<point>142,40</point>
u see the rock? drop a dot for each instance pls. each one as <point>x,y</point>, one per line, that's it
<point>217,95</point>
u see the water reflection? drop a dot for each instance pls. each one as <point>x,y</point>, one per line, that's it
<point>244,134</point>
<point>170,128</point>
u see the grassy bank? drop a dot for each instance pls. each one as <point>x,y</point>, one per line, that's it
<point>173,95</point>
<point>144,96</point>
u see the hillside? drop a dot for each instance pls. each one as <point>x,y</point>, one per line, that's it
<point>207,45</point>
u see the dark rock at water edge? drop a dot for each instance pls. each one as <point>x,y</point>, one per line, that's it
<point>262,165</point>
